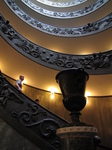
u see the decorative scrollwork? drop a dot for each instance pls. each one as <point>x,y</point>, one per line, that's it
<point>96,63</point>
<point>48,130</point>
<point>36,118</point>
<point>32,116</point>
<point>62,15</point>
<point>88,29</point>
<point>62,4</point>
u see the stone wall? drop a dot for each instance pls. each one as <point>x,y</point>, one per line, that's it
<point>11,140</point>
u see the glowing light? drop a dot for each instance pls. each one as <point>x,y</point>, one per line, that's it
<point>52,95</point>
<point>87,94</point>
<point>53,89</point>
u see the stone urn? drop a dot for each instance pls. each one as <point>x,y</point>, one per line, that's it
<point>72,83</point>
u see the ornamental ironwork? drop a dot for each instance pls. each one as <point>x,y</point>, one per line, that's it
<point>61,4</point>
<point>88,29</point>
<point>38,120</point>
<point>65,15</point>
<point>96,63</point>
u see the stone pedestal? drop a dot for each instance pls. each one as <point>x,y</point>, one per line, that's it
<point>77,137</point>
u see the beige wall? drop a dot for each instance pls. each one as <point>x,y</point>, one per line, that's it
<point>98,112</point>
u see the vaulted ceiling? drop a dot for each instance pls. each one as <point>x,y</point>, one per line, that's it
<point>69,31</point>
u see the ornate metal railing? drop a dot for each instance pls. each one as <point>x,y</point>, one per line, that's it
<point>61,4</point>
<point>88,29</point>
<point>97,63</point>
<point>29,118</point>
<point>62,15</point>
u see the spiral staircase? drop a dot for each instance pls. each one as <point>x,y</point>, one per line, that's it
<point>39,38</point>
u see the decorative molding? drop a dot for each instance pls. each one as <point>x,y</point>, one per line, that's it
<point>65,15</point>
<point>88,29</point>
<point>61,4</point>
<point>96,63</point>
<point>31,115</point>
<point>77,129</point>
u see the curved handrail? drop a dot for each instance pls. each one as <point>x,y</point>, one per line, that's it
<point>66,15</point>
<point>29,118</point>
<point>85,30</point>
<point>61,4</point>
<point>96,63</point>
